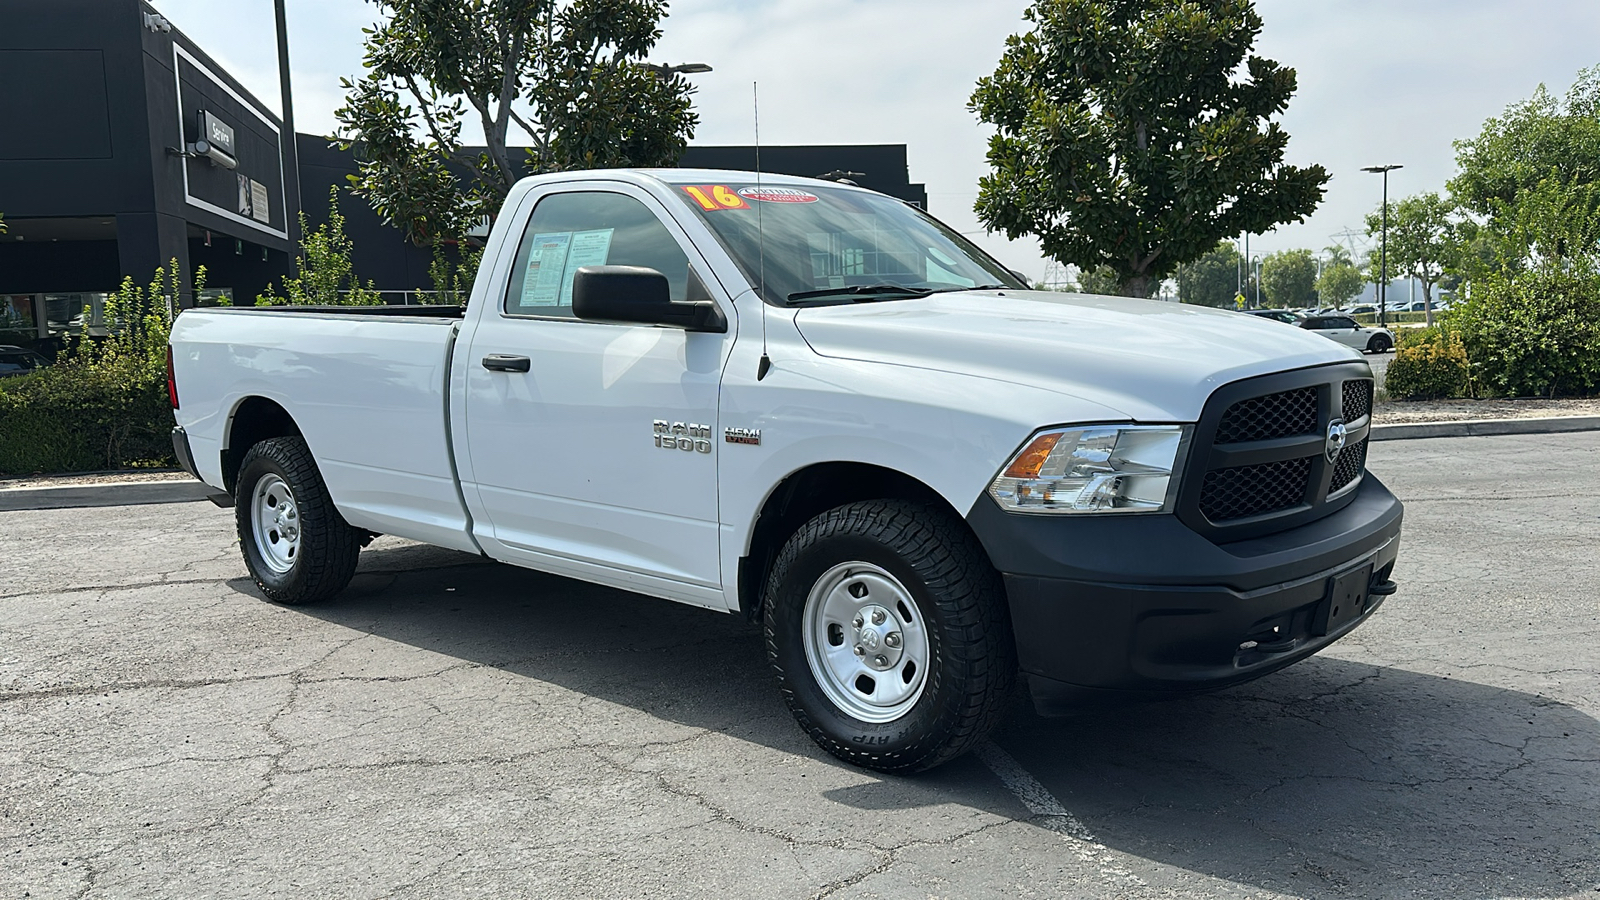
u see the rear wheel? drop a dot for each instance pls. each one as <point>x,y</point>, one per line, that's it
<point>888,631</point>
<point>1380,343</point>
<point>296,545</point>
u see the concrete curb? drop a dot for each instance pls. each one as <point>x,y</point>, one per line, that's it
<point>117,493</point>
<point>1484,427</point>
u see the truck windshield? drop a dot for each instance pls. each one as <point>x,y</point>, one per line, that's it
<point>819,245</point>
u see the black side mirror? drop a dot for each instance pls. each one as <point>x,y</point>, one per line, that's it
<point>641,295</point>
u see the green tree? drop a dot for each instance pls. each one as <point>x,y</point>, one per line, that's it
<point>1099,280</point>
<point>566,73</point>
<point>1289,278</point>
<point>1124,138</point>
<point>1211,280</point>
<point>1340,282</point>
<point>325,273</point>
<point>1532,176</point>
<point>1421,239</point>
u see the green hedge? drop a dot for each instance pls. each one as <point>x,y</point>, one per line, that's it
<point>73,417</point>
<point>1428,364</point>
<point>103,405</point>
<point>1535,333</point>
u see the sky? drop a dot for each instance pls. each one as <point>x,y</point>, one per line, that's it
<point>1380,81</point>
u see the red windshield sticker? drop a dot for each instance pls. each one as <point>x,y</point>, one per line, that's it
<point>777,195</point>
<point>714,197</point>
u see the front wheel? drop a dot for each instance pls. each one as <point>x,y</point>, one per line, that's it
<point>296,545</point>
<point>1380,343</point>
<point>888,630</point>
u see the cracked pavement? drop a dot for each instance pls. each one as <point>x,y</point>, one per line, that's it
<point>449,727</point>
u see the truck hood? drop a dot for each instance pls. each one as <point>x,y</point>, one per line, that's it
<point>1152,361</point>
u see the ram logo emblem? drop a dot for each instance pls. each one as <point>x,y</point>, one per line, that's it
<point>685,436</point>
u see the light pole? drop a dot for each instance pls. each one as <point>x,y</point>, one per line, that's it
<point>682,69</point>
<point>1383,255</point>
<point>291,152</point>
<point>1255,269</point>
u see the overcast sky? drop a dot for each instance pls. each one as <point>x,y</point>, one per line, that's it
<point>1381,81</point>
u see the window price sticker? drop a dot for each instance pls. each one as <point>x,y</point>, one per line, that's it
<point>715,197</point>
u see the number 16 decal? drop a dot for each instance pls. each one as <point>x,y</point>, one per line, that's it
<point>714,197</point>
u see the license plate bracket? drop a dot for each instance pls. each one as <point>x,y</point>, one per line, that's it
<point>1346,601</point>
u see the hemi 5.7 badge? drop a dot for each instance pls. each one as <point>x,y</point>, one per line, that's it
<point>742,435</point>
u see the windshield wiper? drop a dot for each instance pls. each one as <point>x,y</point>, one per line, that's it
<point>862,292</point>
<point>976,287</point>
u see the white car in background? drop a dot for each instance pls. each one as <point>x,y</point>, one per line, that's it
<point>1345,330</point>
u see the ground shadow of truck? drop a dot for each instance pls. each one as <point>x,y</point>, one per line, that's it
<point>1331,777</point>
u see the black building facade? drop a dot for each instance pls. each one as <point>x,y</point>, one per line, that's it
<point>131,147</point>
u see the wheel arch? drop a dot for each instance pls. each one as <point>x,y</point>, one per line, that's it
<point>808,492</point>
<point>252,421</point>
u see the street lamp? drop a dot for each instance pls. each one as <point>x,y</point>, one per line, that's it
<point>1383,258</point>
<point>1255,271</point>
<point>682,69</point>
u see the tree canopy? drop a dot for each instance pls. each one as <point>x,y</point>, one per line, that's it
<point>1421,238</point>
<point>1289,278</point>
<point>1211,280</point>
<point>1340,281</point>
<point>1135,134</point>
<point>567,74</point>
<point>1532,176</point>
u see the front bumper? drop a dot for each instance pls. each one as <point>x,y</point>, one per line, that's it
<point>1128,606</point>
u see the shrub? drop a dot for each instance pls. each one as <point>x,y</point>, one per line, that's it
<point>1428,364</point>
<point>325,273</point>
<point>103,405</point>
<point>1535,332</point>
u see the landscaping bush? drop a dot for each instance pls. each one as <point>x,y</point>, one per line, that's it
<point>103,405</point>
<point>1428,364</point>
<point>1535,333</point>
<point>75,417</point>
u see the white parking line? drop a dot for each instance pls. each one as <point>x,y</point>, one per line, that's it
<point>1043,804</point>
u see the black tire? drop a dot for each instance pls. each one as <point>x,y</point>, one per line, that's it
<point>971,655</point>
<point>1380,343</point>
<point>328,547</point>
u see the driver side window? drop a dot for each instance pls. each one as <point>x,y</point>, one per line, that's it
<point>588,228</point>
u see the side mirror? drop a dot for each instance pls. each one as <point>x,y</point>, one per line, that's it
<point>641,295</point>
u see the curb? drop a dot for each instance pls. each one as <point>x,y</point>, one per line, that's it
<point>123,493</point>
<point>1485,427</point>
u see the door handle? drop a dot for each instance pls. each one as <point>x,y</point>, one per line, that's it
<point>505,362</point>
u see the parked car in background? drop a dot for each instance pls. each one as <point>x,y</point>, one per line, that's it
<point>1363,309</point>
<point>1341,328</point>
<point>1279,315</point>
<point>19,360</point>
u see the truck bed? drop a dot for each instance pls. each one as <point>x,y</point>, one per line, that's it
<point>365,385</point>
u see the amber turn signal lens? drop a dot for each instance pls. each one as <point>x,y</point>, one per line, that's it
<point>1031,459</point>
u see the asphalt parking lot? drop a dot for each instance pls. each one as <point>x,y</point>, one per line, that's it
<point>450,728</point>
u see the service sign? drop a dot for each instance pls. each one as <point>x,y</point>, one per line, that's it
<point>217,133</point>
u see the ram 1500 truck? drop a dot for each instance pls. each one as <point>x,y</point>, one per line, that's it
<point>818,407</point>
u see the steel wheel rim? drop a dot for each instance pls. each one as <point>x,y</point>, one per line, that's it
<point>277,524</point>
<point>850,613</point>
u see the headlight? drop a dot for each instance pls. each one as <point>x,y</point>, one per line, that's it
<point>1093,469</point>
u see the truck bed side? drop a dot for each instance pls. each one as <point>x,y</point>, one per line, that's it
<point>367,392</point>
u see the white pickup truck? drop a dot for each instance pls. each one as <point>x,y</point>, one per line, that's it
<point>818,407</point>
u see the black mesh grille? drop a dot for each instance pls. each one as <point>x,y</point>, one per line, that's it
<point>1254,490</point>
<point>1357,399</point>
<point>1278,415</point>
<point>1350,465</point>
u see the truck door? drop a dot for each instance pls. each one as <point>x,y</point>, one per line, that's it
<point>591,444</point>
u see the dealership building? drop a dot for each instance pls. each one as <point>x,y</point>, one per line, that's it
<point>130,146</point>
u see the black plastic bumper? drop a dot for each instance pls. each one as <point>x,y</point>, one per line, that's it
<point>1127,606</point>
<point>180,449</point>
